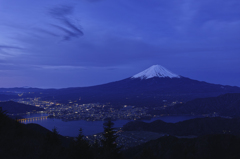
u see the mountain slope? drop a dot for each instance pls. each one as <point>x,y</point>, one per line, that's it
<point>224,105</point>
<point>203,147</point>
<point>147,89</point>
<point>196,127</point>
<point>14,107</point>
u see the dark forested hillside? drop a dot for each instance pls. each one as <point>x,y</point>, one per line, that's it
<point>32,141</point>
<point>198,126</point>
<point>6,97</point>
<point>14,107</point>
<point>203,147</point>
<point>223,105</point>
<point>19,141</point>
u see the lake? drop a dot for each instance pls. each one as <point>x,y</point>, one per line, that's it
<point>71,128</point>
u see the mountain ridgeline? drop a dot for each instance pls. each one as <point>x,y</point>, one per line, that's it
<point>148,88</point>
<point>152,87</point>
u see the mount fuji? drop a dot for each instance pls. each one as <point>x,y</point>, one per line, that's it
<point>155,71</point>
<point>152,87</point>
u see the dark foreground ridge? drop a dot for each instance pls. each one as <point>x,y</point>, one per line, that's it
<point>32,141</point>
<point>195,127</point>
<point>19,141</point>
<point>203,147</point>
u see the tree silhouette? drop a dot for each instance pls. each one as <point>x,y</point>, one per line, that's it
<point>80,137</point>
<point>82,145</point>
<point>3,116</point>
<point>2,113</point>
<point>53,138</point>
<point>52,145</point>
<point>110,148</point>
<point>80,148</point>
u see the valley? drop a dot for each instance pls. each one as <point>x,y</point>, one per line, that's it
<point>152,107</point>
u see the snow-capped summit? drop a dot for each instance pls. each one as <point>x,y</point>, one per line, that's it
<point>155,71</point>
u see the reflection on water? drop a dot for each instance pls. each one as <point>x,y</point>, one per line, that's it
<point>71,128</point>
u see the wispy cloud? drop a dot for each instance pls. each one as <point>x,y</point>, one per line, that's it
<point>72,26</point>
<point>93,0</point>
<point>8,50</point>
<point>47,32</point>
<point>70,29</point>
<point>9,47</point>
<point>68,34</point>
<point>61,11</point>
<point>71,67</point>
<point>59,67</point>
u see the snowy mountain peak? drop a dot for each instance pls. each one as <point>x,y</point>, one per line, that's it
<point>155,71</point>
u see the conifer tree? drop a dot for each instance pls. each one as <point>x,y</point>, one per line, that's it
<point>81,147</point>
<point>2,118</point>
<point>2,113</point>
<point>52,147</point>
<point>54,137</point>
<point>110,148</point>
<point>80,136</point>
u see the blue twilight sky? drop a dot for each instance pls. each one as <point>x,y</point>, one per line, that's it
<point>69,43</point>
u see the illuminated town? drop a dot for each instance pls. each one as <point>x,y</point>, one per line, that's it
<point>88,112</point>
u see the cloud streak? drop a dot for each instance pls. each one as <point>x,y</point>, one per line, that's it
<point>47,32</point>
<point>93,0</point>
<point>70,29</point>
<point>61,11</point>
<point>9,47</point>
<point>72,26</point>
<point>186,36</point>
<point>68,33</point>
<point>8,50</point>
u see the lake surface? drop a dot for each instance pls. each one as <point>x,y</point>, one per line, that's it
<point>71,128</point>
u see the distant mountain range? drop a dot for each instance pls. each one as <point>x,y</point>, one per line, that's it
<point>151,87</point>
<point>154,86</point>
